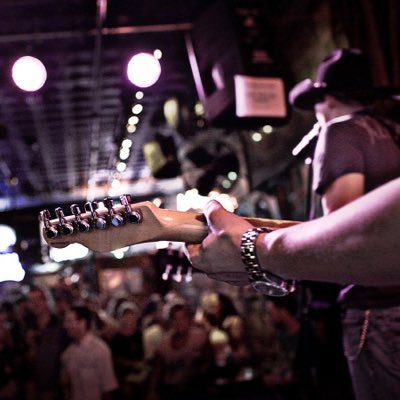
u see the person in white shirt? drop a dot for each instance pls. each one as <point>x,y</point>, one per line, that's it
<point>87,367</point>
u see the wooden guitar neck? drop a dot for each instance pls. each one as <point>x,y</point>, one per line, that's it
<point>112,227</point>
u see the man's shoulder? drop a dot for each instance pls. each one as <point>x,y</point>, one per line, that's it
<point>90,343</point>
<point>346,122</point>
<point>347,130</point>
<point>95,342</point>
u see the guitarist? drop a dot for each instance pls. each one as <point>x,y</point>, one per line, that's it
<point>355,154</point>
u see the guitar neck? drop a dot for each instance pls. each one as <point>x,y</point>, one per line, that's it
<point>190,227</point>
<point>154,224</point>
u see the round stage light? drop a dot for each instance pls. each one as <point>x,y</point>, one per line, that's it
<point>144,70</point>
<point>29,73</point>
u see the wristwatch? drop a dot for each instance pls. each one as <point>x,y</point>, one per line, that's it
<point>262,281</point>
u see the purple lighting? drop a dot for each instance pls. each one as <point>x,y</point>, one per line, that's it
<point>29,73</point>
<point>143,70</point>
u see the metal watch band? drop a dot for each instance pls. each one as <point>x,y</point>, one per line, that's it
<point>262,281</point>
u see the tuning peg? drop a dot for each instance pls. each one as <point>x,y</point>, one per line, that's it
<point>115,218</point>
<point>65,227</point>
<point>98,222</point>
<point>133,216</point>
<point>167,271</point>
<point>177,277</point>
<point>189,275</point>
<point>83,226</point>
<point>291,286</point>
<point>126,199</point>
<point>50,231</point>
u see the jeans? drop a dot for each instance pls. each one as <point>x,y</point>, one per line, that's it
<point>371,340</point>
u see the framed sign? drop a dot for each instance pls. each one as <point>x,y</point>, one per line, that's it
<point>260,97</point>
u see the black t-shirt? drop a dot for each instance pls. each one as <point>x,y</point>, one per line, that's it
<point>359,144</point>
<point>126,348</point>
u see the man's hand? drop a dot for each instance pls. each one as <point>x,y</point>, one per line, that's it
<point>219,253</point>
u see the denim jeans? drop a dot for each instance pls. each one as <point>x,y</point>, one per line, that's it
<point>371,341</point>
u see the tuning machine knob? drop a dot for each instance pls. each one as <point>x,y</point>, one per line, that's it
<point>167,271</point>
<point>177,277</point>
<point>82,225</point>
<point>65,228</point>
<point>189,275</point>
<point>49,230</point>
<point>133,216</point>
<point>98,222</point>
<point>115,218</point>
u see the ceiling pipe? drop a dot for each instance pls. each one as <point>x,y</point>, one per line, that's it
<point>122,30</point>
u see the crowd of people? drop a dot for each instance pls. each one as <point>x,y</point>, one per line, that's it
<point>61,344</point>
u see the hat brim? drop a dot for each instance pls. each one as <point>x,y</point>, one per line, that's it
<point>307,93</point>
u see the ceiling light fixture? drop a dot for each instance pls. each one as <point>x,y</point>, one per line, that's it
<point>157,54</point>
<point>29,73</point>
<point>131,128</point>
<point>143,70</point>
<point>133,120</point>
<point>137,109</point>
<point>139,95</point>
<point>127,143</point>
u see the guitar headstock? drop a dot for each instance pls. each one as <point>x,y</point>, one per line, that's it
<point>108,227</point>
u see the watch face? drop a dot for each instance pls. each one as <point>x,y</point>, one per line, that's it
<point>270,288</point>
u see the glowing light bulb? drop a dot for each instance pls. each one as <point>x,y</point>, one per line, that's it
<point>144,70</point>
<point>29,73</point>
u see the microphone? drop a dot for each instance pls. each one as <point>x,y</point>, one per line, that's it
<point>305,141</point>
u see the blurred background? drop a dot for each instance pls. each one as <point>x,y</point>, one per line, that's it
<point>213,117</point>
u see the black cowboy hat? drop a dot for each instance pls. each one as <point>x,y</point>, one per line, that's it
<point>343,72</point>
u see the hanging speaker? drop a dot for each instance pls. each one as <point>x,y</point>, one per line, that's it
<point>237,80</point>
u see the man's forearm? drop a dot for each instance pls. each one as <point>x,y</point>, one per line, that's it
<point>359,243</point>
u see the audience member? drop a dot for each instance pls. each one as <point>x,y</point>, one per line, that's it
<point>282,313</point>
<point>8,362</point>
<point>183,359</point>
<point>154,325</point>
<point>128,353</point>
<point>87,367</point>
<point>45,339</point>
<point>241,356</point>
<point>214,308</point>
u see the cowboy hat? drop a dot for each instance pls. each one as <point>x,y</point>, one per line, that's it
<point>343,71</point>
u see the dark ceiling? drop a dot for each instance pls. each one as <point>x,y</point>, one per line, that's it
<point>62,143</point>
<point>58,141</point>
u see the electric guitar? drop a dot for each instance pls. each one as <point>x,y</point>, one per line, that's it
<point>109,227</point>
